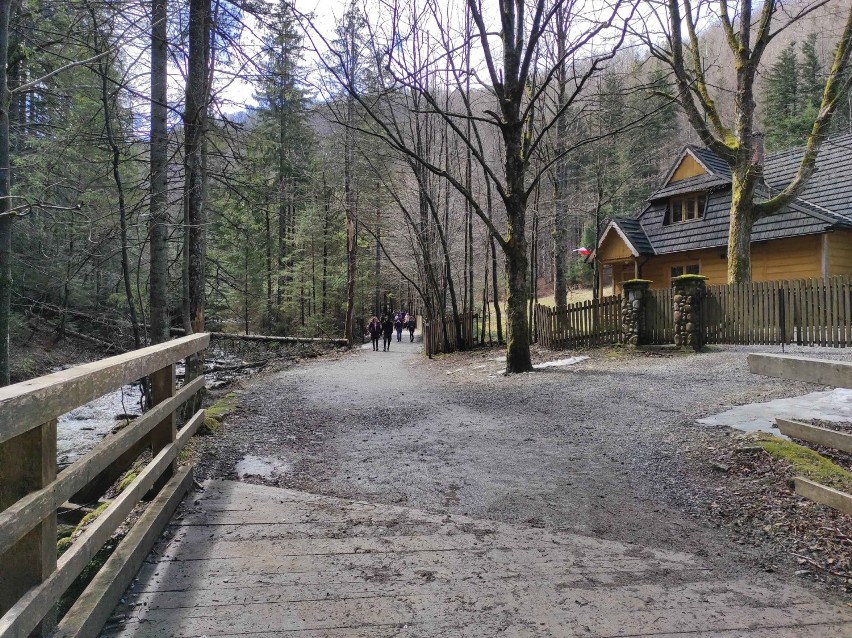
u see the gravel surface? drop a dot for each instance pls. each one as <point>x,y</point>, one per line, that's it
<point>605,447</point>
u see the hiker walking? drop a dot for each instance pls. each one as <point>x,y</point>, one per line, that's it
<point>411,325</point>
<point>398,326</point>
<point>387,331</point>
<point>375,329</point>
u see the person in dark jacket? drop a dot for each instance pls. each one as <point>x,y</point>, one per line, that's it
<point>375,329</point>
<point>398,327</point>
<point>411,325</point>
<point>387,330</point>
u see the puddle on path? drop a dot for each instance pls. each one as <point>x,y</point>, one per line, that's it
<point>832,405</point>
<point>262,467</point>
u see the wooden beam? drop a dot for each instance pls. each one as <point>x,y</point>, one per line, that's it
<point>26,405</point>
<point>28,611</point>
<point>820,371</point>
<point>814,434</point>
<point>95,605</point>
<point>19,518</point>
<point>840,501</point>
<point>28,464</point>
<point>162,389</point>
<point>270,338</point>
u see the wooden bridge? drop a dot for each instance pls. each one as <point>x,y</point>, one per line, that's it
<point>241,559</point>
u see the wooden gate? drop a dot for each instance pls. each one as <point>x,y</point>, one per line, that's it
<point>659,317</point>
<point>588,323</point>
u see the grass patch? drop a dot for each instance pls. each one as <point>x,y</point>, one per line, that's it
<point>214,414</point>
<point>125,481</point>
<point>62,545</point>
<point>91,516</point>
<point>228,404</point>
<point>807,462</point>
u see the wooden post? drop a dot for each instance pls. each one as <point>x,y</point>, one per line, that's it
<point>27,464</point>
<point>162,388</point>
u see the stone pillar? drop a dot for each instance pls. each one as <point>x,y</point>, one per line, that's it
<point>688,294</point>
<point>633,300</point>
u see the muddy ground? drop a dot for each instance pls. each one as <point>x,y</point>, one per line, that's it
<point>606,447</point>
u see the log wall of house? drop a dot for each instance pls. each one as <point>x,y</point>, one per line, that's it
<point>710,264</point>
<point>840,253</point>
<point>794,258</point>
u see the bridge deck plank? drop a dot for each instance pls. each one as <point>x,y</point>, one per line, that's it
<point>295,564</point>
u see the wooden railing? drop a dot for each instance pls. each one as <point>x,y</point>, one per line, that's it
<point>32,581</point>
<point>587,323</point>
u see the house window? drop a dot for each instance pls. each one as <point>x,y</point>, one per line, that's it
<point>686,208</point>
<point>687,269</point>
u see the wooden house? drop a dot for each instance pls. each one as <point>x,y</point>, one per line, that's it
<point>684,226</point>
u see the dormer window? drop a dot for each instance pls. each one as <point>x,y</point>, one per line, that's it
<point>684,208</point>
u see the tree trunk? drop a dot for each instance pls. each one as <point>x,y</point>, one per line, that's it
<point>5,219</point>
<point>282,200</point>
<point>742,221</point>
<point>560,195</point>
<point>195,121</point>
<point>122,207</point>
<point>269,309</point>
<point>377,309</point>
<point>351,235</point>
<point>325,227</point>
<point>517,345</point>
<point>159,216</point>
<point>246,286</point>
<point>195,218</point>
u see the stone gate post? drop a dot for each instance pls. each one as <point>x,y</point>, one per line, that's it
<point>687,297</point>
<point>633,300</point>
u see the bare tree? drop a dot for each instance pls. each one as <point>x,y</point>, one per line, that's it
<point>507,55</point>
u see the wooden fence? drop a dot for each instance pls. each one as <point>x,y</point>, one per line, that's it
<point>588,323</point>
<point>32,580</point>
<point>815,312</point>
<point>434,340</point>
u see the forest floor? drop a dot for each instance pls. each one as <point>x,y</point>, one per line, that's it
<point>607,447</point>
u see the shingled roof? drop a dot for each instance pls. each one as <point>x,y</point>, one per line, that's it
<point>632,231</point>
<point>825,203</point>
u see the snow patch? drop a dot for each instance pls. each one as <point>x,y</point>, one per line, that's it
<point>266,468</point>
<point>831,405</point>
<point>560,362</point>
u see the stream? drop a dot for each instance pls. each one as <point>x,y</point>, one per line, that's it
<point>81,429</point>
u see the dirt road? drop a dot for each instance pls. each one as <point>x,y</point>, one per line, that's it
<point>604,447</point>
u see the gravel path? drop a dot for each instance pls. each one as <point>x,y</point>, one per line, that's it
<point>606,447</point>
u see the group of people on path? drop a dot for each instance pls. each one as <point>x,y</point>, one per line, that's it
<point>385,327</point>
